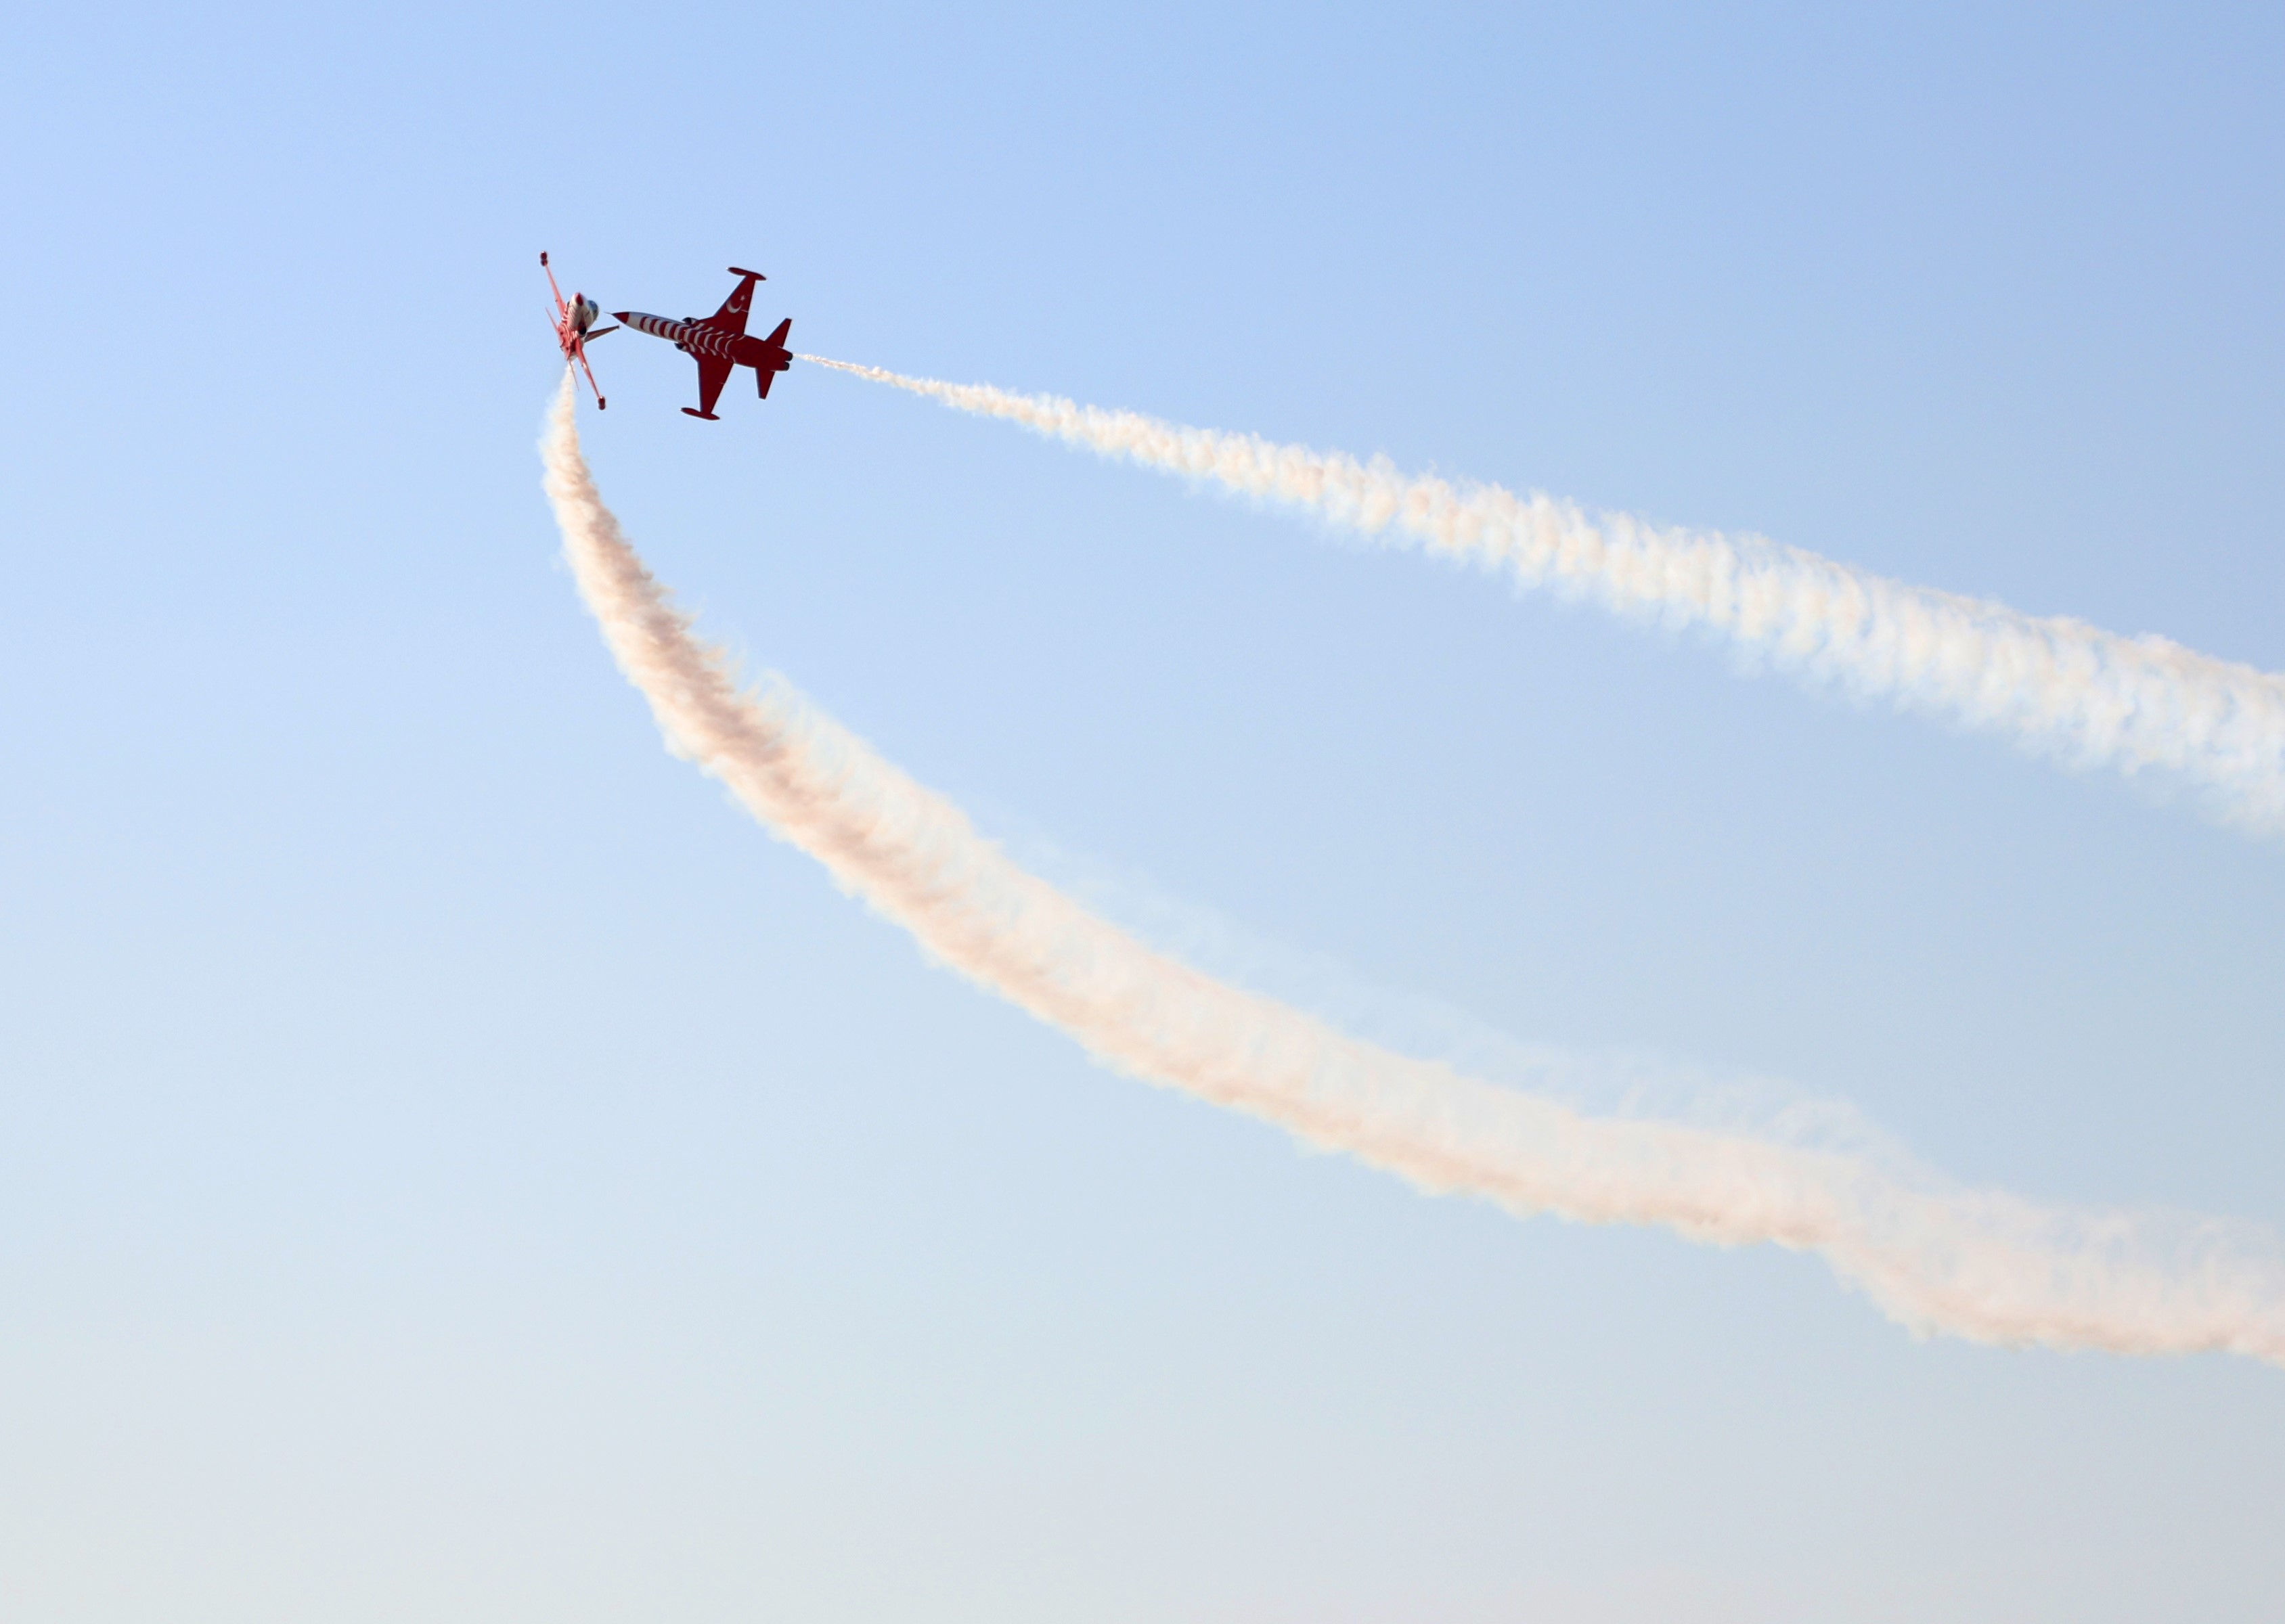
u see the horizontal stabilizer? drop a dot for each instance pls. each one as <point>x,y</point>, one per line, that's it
<point>598,331</point>
<point>779,336</point>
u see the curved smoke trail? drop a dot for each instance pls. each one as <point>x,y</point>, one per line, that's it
<point>1976,1265</point>
<point>2057,685</point>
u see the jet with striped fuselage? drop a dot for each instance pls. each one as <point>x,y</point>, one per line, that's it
<point>719,343</point>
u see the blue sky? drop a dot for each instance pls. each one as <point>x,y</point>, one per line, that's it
<point>453,1163</point>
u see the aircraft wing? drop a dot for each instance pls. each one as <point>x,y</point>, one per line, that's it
<point>713,373</point>
<point>732,317</point>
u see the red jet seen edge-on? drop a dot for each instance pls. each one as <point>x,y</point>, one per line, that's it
<point>719,343</point>
<point>574,325</point>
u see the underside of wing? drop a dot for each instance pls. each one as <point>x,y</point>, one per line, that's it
<point>732,317</point>
<point>713,373</point>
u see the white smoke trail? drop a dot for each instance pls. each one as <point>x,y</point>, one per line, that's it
<point>2057,685</point>
<point>1981,1266</point>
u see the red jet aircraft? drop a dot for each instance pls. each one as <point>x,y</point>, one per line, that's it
<point>719,343</point>
<point>574,326</point>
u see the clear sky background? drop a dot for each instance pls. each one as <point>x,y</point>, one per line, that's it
<point>453,1166</point>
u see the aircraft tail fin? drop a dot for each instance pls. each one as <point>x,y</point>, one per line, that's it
<point>778,363</point>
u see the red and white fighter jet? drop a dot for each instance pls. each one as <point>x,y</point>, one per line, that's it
<point>574,326</point>
<point>719,343</point>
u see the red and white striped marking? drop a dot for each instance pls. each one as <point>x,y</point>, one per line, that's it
<point>694,336</point>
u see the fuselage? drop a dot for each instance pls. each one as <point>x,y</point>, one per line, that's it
<point>698,338</point>
<point>572,323</point>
